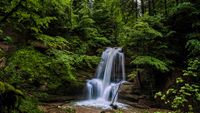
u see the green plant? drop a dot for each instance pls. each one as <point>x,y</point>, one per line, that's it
<point>185,96</point>
<point>8,40</point>
<point>10,98</point>
<point>70,110</point>
<point>118,111</point>
<point>152,62</point>
<point>29,105</point>
<point>27,66</point>
<point>53,42</point>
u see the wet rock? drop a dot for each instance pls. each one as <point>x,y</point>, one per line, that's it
<point>7,48</point>
<point>2,62</point>
<point>128,92</point>
<point>147,102</point>
<point>126,88</point>
<point>107,111</point>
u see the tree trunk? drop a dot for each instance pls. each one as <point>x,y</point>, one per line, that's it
<point>132,8</point>
<point>142,6</point>
<point>149,6</point>
<point>137,10</point>
<point>153,7</point>
<point>165,7</point>
<point>177,2</point>
<point>139,79</point>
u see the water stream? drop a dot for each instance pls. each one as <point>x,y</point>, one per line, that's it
<point>103,89</point>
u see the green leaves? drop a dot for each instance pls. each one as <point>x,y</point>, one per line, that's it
<point>142,30</point>
<point>9,92</point>
<point>193,68</point>
<point>193,46</point>
<point>181,7</point>
<point>30,105</point>
<point>151,62</point>
<point>62,63</point>
<point>185,94</point>
<point>53,42</point>
<point>26,65</point>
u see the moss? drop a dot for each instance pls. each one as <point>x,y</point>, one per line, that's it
<point>5,87</point>
<point>2,87</point>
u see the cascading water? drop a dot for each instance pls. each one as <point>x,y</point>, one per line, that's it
<point>103,89</point>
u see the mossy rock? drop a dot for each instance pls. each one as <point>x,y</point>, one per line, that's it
<point>5,87</point>
<point>2,87</point>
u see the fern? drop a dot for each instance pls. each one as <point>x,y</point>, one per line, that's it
<point>85,61</point>
<point>151,61</point>
<point>193,46</point>
<point>53,42</point>
<point>26,66</point>
<point>63,60</point>
<point>180,7</point>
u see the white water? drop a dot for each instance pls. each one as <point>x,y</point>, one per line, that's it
<point>103,89</point>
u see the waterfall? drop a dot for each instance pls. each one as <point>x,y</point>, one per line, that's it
<point>102,90</point>
<point>109,74</point>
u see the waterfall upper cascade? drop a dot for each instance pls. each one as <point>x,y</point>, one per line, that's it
<point>103,89</point>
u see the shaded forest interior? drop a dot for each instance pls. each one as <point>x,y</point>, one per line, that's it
<point>51,47</point>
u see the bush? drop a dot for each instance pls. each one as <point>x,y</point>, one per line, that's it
<point>29,105</point>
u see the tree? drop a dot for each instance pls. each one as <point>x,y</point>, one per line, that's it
<point>183,96</point>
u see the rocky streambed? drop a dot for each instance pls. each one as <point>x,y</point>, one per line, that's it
<point>72,108</point>
<point>136,103</point>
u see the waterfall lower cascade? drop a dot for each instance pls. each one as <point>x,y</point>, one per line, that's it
<point>103,89</point>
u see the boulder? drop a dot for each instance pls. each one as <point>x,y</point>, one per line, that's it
<point>130,94</point>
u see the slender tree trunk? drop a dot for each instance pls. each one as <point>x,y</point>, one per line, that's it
<point>139,79</point>
<point>142,6</point>
<point>165,7</point>
<point>177,2</point>
<point>71,5</point>
<point>149,6</point>
<point>136,9</point>
<point>132,7</point>
<point>153,7</point>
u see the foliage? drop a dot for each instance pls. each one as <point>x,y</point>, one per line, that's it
<point>53,42</point>
<point>193,46</point>
<point>9,97</point>
<point>186,95</point>
<point>181,7</point>
<point>183,96</point>
<point>62,60</point>
<point>8,40</point>
<point>27,66</point>
<point>68,35</point>
<point>152,62</point>
<point>29,105</point>
<point>144,43</point>
<point>108,18</point>
<point>141,35</point>
<point>70,110</point>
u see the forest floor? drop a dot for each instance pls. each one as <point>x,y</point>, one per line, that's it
<point>63,107</point>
